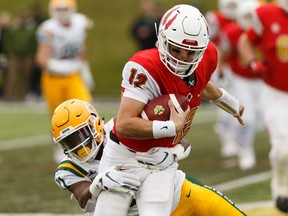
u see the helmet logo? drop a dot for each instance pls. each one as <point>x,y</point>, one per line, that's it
<point>167,24</point>
<point>170,21</point>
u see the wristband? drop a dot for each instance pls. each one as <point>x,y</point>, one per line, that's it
<point>228,103</point>
<point>163,129</point>
<point>94,189</point>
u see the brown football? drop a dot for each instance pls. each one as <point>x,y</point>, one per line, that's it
<point>158,109</point>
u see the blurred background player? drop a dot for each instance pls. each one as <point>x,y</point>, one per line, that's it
<point>218,21</point>
<point>269,32</point>
<point>61,55</point>
<point>83,137</point>
<point>244,84</point>
<point>143,29</point>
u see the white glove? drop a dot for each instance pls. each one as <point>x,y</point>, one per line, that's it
<point>115,179</point>
<point>162,157</point>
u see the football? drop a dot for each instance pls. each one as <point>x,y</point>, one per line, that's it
<point>158,109</point>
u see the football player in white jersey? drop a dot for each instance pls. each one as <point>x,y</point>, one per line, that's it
<point>80,132</point>
<point>61,56</point>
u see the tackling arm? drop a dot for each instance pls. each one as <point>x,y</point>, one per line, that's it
<point>160,158</point>
<point>81,192</point>
<point>114,179</point>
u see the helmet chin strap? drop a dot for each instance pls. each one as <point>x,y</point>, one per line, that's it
<point>156,29</point>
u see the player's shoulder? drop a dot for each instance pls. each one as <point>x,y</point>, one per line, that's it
<point>148,59</point>
<point>211,51</point>
<point>232,30</point>
<point>72,167</point>
<point>146,54</point>
<point>79,17</point>
<point>82,19</point>
<point>49,23</point>
<point>266,10</point>
<point>210,58</point>
<point>69,172</point>
<point>48,28</point>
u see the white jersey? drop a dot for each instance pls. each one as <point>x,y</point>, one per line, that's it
<point>70,172</point>
<point>67,41</point>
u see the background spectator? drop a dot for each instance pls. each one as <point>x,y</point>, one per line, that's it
<point>38,16</point>
<point>5,19</point>
<point>20,45</point>
<point>143,29</point>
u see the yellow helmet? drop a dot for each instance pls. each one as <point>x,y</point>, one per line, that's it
<point>78,130</point>
<point>62,10</point>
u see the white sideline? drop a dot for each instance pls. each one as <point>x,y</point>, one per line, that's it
<point>25,142</point>
<point>248,180</point>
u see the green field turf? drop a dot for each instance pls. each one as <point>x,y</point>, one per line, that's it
<point>26,180</point>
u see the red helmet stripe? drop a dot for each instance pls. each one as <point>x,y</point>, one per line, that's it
<point>170,21</point>
<point>166,17</point>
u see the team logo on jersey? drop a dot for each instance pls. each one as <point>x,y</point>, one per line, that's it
<point>159,110</point>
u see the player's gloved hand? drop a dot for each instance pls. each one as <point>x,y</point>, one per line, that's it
<point>117,180</point>
<point>259,68</point>
<point>162,157</point>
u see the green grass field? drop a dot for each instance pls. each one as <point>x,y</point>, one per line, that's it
<point>26,180</point>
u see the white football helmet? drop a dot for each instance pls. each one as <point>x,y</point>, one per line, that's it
<point>283,4</point>
<point>244,13</point>
<point>78,130</point>
<point>62,10</point>
<point>228,8</point>
<point>185,27</point>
